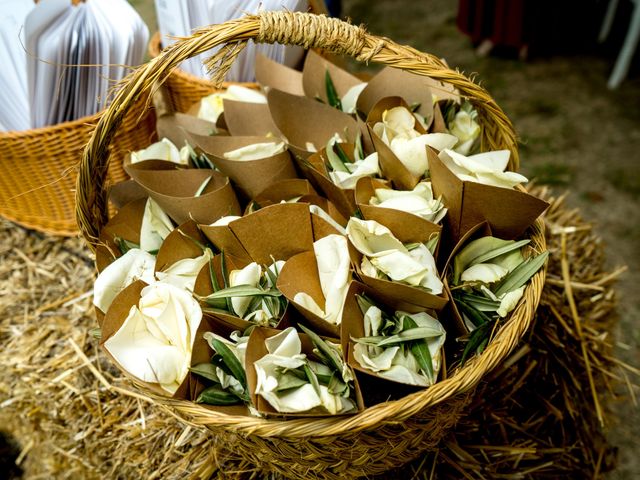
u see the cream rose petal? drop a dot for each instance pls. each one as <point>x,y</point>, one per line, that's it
<point>509,301</point>
<point>483,272</point>
<point>464,127</point>
<point>156,339</point>
<point>162,150</point>
<point>369,360</point>
<point>156,226</point>
<point>350,98</point>
<point>371,238</point>
<point>184,272</point>
<point>399,119</point>
<point>366,167</point>
<point>134,265</point>
<point>431,280</point>
<point>334,263</point>
<point>501,179</point>
<point>487,162</point>
<point>255,151</point>
<point>305,300</point>
<point>400,267</point>
<point>249,275</point>
<point>244,94</point>
<point>223,221</point>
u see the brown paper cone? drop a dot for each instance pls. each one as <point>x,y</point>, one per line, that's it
<point>300,274</point>
<point>249,119</point>
<point>303,120</point>
<point>391,218</point>
<point>390,165</point>
<point>175,127</point>
<point>406,233</point>
<point>313,77</point>
<point>451,311</point>
<point>315,167</point>
<point>179,245</point>
<point>378,389</point>
<point>174,189</point>
<point>114,319</point>
<point>277,231</point>
<point>414,89</point>
<point>275,75</point>
<point>250,176</point>
<point>204,287</point>
<point>125,224</point>
<point>256,349</point>
<point>509,212</point>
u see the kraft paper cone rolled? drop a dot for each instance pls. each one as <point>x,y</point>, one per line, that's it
<point>176,125</point>
<point>284,190</point>
<point>278,231</point>
<point>174,191</point>
<point>276,75</point>
<point>113,321</point>
<point>250,176</point>
<point>451,311</point>
<point>390,165</point>
<point>180,244</point>
<point>303,120</point>
<point>125,192</point>
<point>314,75</point>
<point>224,239</point>
<point>300,274</point>
<point>391,82</point>
<point>274,232</point>
<point>353,327</point>
<point>316,170</point>
<point>508,211</point>
<point>256,349</point>
<point>392,218</point>
<point>403,292</point>
<point>439,125</point>
<point>204,287</point>
<point>125,224</point>
<point>249,119</point>
<point>327,205</point>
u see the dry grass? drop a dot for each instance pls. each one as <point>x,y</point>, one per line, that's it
<point>75,417</point>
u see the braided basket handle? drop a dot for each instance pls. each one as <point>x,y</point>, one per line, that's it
<point>287,28</point>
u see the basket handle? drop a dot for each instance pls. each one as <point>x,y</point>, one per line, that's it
<point>287,28</point>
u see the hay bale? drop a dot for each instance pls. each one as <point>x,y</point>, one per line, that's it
<point>75,416</point>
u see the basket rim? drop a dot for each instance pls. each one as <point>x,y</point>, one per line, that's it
<point>312,31</point>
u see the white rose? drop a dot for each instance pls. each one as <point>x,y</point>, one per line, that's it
<point>256,151</point>
<point>285,351</point>
<point>156,226</point>
<point>183,273</point>
<point>162,150</point>
<point>155,342</point>
<point>418,201</point>
<point>465,127</point>
<point>487,168</point>
<point>350,98</point>
<point>367,167</point>
<point>212,105</point>
<point>134,265</point>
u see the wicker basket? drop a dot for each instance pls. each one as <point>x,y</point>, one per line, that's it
<point>38,168</point>
<point>380,437</point>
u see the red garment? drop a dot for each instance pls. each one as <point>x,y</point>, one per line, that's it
<point>501,21</point>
